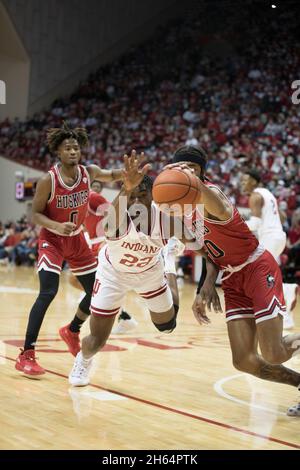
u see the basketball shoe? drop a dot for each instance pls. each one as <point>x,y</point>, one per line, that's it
<point>126,323</point>
<point>79,376</point>
<point>26,362</point>
<point>295,409</point>
<point>71,339</point>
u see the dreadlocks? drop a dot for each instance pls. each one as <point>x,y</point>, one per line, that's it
<point>57,135</point>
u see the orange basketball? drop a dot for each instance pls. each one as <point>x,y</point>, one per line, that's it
<point>176,187</point>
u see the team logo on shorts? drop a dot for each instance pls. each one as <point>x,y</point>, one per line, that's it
<point>270,280</point>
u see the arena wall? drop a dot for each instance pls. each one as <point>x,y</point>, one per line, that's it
<point>68,39</point>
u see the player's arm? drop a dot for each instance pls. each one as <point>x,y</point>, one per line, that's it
<point>108,176</point>
<point>105,176</point>
<point>116,222</point>
<point>215,203</point>
<point>256,203</point>
<point>207,295</point>
<point>39,203</point>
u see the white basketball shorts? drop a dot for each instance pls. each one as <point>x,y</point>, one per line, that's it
<point>111,287</point>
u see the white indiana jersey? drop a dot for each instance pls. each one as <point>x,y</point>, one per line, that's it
<point>270,219</point>
<point>137,252</point>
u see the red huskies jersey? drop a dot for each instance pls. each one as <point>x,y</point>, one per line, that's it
<point>226,243</point>
<point>68,203</point>
<point>96,209</point>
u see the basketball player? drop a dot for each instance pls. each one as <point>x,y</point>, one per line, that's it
<point>252,282</point>
<point>131,260</point>
<point>97,207</point>
<point>265,221</point>
<point>59,207</point>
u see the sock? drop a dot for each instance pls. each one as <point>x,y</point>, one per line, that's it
<point>124,316</point>
<point>75,324</point>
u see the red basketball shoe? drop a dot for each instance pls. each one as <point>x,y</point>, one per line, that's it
<point>71,339</point>
<point>26,362</point>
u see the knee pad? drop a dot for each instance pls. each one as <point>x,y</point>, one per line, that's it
<point>169,326</point>
<point>85,304</point>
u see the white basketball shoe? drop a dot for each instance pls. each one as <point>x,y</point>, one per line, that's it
<point>79,376</point>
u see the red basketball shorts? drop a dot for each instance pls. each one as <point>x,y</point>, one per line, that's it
<point>255,291</point>
<point>54,249</point>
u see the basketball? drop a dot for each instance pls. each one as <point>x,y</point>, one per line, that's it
<point>176,187</point>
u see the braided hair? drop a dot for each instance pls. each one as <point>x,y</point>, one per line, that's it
<point>146,183</point>
<point>56,135</point>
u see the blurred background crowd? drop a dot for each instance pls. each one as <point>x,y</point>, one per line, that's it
<point>229,91</point>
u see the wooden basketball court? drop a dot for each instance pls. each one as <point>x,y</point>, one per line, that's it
<point>148,391</point>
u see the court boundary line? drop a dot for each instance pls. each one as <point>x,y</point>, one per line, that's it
<point>219,390</point>
<point>180,412</point>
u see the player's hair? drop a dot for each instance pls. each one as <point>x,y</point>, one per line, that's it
<point>147,183</point>
<point>254,174</point>
<point>193,154</point>
<point>56,135</point>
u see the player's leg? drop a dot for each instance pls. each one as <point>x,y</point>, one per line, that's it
<point>159,300</point>
<point>263,282</point>
<point>49,282</point>
<point>83,265</point>
<point>276,245</point>
<point>276,348</point>
<point>70,333</point>
<point>243,342</point>
<point>100,329</point>
<point>108,294</point>
<point>49,268</point>
<point>75,283</point>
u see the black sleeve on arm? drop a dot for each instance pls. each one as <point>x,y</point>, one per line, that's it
<point>203,275</point>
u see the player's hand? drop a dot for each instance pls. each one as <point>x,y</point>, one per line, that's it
<point>65,228</point>
<point>132,173</point>
<point>210,296</point>
<point>199,310</point>
<point>207,297</point>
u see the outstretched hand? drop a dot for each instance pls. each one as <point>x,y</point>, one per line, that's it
<point>133,174</point>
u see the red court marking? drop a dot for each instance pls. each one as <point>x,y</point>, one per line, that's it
<point>180,412</point>
<point>150,344</point>
<point>19,343</point>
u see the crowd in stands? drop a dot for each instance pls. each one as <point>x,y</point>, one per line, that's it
<point>234,100</point>
<point>18,243</point>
